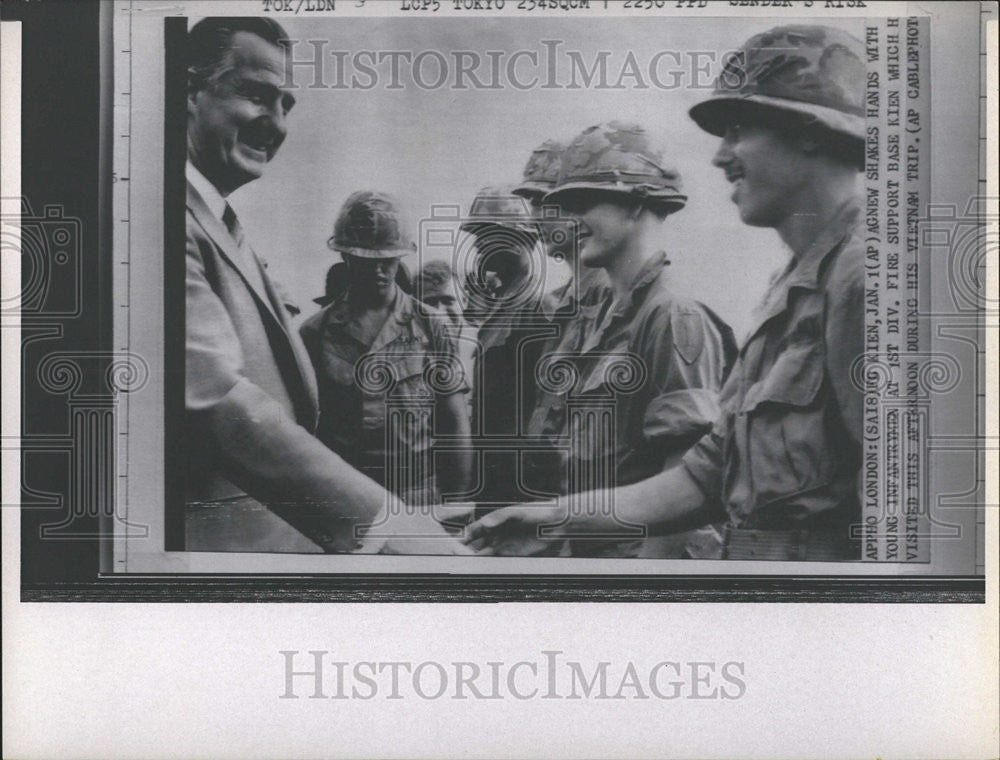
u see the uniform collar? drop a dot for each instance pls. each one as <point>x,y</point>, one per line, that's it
<point>566,296</point>
<point>805,271</point>
<point>650,271</point>
<point>625,306</point>
<point>558,300</point>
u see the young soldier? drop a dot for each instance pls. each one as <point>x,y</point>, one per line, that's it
<point>437,287</point>
<point>568,308</point>
<point>783,459</point>
<point>575,301</point>
<point>387,370</point>
<point>649,367</point>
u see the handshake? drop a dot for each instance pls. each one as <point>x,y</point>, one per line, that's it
<point>521,530</point>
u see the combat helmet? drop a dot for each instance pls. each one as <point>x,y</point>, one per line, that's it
<point>497,206</point>
<point>815,72</point>
<point>619,157</point>
<point>371,225</point>
<point>542,170</point>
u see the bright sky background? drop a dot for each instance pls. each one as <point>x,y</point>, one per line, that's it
<point>440,146</point>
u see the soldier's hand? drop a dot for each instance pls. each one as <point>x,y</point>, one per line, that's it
<point>515,531</point>
<point>454,515</point>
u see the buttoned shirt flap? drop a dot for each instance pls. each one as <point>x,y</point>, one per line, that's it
<point>611,374</point>
<point>795,378</point>
<point>408,365</point>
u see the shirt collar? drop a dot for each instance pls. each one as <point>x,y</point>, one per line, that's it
<point>212,197</point>
<point>645,277</point>
<point>650,270</point>
<point>565,297</point>
<point>402,308</point>
<point>804,270</point>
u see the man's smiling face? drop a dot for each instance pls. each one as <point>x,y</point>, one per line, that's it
<point>766,170</point>
<point>236,122</point>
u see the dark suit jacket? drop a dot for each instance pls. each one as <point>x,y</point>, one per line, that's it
<point>250,396</point>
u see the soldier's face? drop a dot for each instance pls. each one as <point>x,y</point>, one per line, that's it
<point>558,233</point>
<point>372,278</point>
<point>236,123</point>
<point>766,170</point>
<point>441,297</point>
<point>602,227</point>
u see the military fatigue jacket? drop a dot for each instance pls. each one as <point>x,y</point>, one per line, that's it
<point>509,342</point>
<point>656,362</point>
<point>361,387</point>
<point>785,452</point>
<point>578,298</point>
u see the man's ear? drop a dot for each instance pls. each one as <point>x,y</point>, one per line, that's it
<point>192,91</point>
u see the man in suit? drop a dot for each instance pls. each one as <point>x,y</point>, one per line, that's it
<point>257,479</point>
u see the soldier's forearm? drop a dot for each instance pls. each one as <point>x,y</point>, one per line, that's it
<point>664,503</point>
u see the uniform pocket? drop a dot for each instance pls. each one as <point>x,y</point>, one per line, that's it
<point>409,372</point>
<point>407,406</point>
<point>788,438</point>
<point>795,379</point>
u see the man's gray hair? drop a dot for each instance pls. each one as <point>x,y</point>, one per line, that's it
<point>209,44</point>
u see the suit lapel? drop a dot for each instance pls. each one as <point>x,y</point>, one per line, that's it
<point>268,297</point>
<point>230,251</point>
<point>298,349</point>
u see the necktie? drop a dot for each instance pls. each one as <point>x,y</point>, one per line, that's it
<point>254,272</point>
<point>245,257</point>
<point>233,225</point>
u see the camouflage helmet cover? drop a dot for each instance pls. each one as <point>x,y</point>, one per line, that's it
<point>619,157</point>
<point>371,225</point>
<point>542,170</point>
<point>498,206</point>
<point>813,71</point>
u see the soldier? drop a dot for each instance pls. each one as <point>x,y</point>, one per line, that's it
<point>387,370</point>
<point>617,187</point>
<point>783,459</point>
<point>508,283</point>
<point>437,287</point>
<point>587,287</point>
